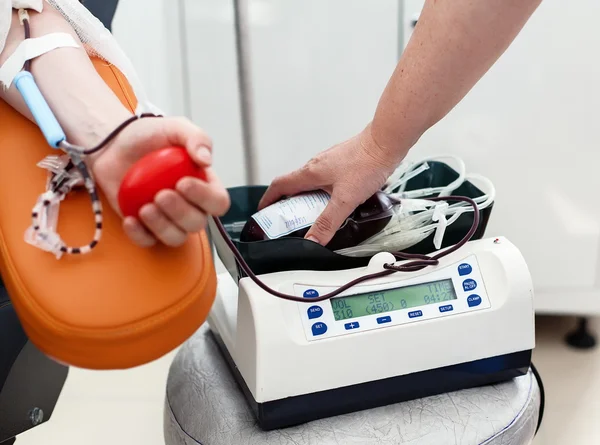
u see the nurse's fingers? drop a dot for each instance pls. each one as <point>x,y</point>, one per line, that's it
<point>331,219</point>
<point>185,216</point>
<point>137,233</point>
<point>161,227</point>
<point>301,180</point>
<point>209,196</point>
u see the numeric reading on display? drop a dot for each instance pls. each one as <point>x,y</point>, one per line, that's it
<point>392,299</point>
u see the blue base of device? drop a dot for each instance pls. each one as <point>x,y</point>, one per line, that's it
<point>297,410</point>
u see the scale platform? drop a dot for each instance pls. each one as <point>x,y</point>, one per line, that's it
<point>465,323</point>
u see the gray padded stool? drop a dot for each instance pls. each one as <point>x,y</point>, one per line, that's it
<point>204,405</point>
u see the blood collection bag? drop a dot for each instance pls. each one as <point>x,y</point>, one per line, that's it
<point>293,217</point>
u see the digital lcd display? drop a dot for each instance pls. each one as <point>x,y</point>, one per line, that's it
<point>390,300</point>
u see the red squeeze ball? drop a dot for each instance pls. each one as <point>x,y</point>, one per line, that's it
<point>159,170</point>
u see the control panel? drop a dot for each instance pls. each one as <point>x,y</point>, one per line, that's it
<point>448,291</point>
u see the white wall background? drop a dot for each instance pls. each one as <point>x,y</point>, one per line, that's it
<point>184,51</point>
<point>531,125</point>
<point>319,68</point>
<point>147,31</point>
<point>213,84</point>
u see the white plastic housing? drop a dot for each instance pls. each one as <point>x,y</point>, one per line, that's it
<point>271,341</point>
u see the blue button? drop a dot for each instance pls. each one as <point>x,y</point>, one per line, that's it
<point>353,325</point>
<point>446,308</point>
<point>319,328</point>
<point>464,269</point>
<point>310,293</point>
<point>415,314</point>
<point>469,285</point>
<point>382,320</point>
<point>314,312</point>
<point>474,300</point>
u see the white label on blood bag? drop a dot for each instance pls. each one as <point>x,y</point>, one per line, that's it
<point>291,214</point>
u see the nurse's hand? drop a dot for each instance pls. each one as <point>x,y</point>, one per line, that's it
<point>351,172</point>
<point>174,214</point>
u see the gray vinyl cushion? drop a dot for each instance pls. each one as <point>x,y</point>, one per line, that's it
<point>205,406</point>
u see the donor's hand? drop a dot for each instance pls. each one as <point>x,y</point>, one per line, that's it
<point>174,214</point>
<point>351,172</point>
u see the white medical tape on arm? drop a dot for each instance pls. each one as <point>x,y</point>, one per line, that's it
<point>30,49</point>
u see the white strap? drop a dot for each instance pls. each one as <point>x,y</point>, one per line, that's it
<point>30,49</point>
<point>439,215</point>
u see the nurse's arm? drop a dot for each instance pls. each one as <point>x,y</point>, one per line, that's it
<point>453,45</point>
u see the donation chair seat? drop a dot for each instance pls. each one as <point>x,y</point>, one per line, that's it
<point>204,405</point>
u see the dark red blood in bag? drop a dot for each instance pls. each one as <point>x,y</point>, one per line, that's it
<point>369,218</point>
<point>159,170</point>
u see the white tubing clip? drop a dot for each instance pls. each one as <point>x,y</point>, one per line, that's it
<point>46,240</point>
<point>439,215</point>
<point>23,15</point>
<point>60,180</point>
<point>45,236</point>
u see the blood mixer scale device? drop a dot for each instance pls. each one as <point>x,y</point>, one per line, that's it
<point>466,322</point>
